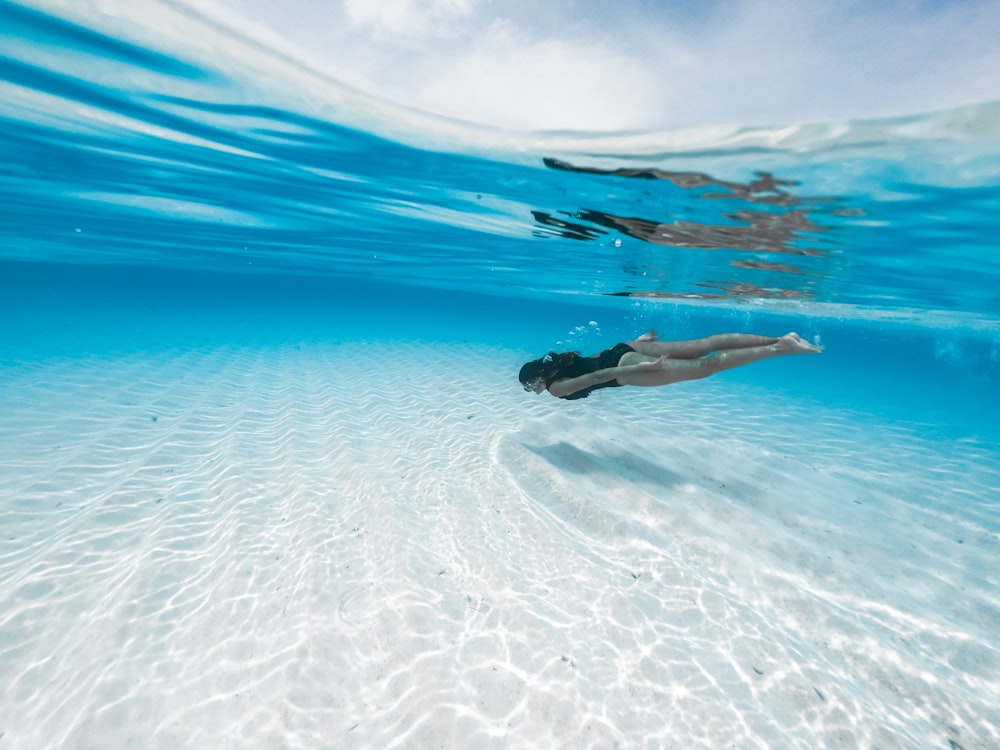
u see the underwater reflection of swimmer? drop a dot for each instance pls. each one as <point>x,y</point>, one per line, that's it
<point>766,188</point>
<point>647,361</point>
<point>761,232</point>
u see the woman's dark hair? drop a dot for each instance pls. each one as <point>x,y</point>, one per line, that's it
<point>546,367</point>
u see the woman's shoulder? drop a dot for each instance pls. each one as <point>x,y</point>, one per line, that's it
<point>574,367</point>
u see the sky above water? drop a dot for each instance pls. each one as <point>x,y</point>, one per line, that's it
<point>640,64</point>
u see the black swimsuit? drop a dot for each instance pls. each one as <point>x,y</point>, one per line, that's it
<point>585,365</point>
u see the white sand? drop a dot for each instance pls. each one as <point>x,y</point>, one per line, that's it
<point>309,547</point>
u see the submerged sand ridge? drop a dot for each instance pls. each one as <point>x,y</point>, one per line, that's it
<point>265,546</point>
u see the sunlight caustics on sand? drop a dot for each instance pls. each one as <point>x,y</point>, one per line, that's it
<point>215,546</point>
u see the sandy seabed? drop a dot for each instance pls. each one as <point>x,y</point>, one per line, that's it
<point>300,546</point>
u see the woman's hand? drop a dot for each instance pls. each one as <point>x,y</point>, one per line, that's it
<point>659,364</point>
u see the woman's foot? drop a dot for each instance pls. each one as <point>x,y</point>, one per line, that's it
<point>651,335</point>
<point>792,343</point>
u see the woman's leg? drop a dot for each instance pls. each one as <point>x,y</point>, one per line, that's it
<point>666,370</point>
<point>649,345</point>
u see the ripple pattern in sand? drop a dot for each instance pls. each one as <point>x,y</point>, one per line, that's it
<point>269,546</point>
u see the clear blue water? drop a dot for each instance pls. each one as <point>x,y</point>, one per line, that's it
<point>163,185</point>
<point>122,160</point>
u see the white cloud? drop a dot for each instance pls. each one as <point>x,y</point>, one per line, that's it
<point>510,79</point>
<point>591,65</point>
<point>411,18</point>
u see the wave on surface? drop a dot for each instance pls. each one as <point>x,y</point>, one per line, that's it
<point>143,134</point>
<point>210,39</point>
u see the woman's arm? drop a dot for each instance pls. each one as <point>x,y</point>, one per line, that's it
<point>568,386</point>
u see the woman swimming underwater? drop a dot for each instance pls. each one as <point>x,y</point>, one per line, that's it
<point>647,361</point>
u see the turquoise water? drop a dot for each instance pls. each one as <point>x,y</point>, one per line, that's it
<point>168,188</point>
<point>124,156</point>
<point>120,160</point>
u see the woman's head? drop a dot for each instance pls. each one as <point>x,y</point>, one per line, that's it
<point>538,373</point>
